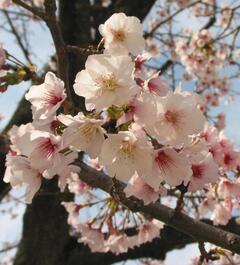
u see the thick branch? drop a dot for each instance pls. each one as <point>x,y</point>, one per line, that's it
<point>196,229</point>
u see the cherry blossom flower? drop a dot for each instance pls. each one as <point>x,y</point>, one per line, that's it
<point>206,206</point>
<point>61,167</point>
<point>178,117</point>
<point>145,108</point>
<point>92,237</point>
<point>221,214</point>
<point>122,34</point>
<point>47,97</point>
<point>83,134</point>
<point>230,159</point>
<point>149,230</point>
<point>42,149</point>
<point>117,243</point>
<point>94,163</point>
<point>204,171</point>
<point>16,135</point>
<point>171,167</point>
<point>227,188</point>
<point>75,185</point>
<point>107,80</point>
<point>123,154</point>
<point>156,85</point>
<point>19,172</point>
<point>138,188</point>
<point>73,213</point>
<point>172,119</point>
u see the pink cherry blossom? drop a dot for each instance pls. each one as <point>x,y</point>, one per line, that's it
<point>17,137</point>
<point>204,171</point>
<point>171,167</point>
<point>148,231</point>
<point>19,172</point>
<point>92,237</point>
<point>178,117</point>
<point>117,243</point>
<point>43,148</point>
<point>172,119</point>
<point>61,167</point>
<point>73,213</point>
<point>157,86</point>
<point>221,214</point>
<point>228,188</point>
<point>47,97</point>
<point>138,188</point>
<point>75,185</point>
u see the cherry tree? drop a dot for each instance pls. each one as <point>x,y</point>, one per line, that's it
<point>116,145</point>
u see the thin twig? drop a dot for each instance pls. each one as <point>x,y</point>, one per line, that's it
<point>34,10</point>
<point>15,33</point>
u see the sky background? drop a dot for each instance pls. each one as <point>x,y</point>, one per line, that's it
<point>42,49</point>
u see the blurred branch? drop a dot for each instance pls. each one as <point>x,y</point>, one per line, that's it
<point>34,10</point>
<point>77,50</point>
<point>150,34</point>
<point>10,247</point>
<point>15,33</point>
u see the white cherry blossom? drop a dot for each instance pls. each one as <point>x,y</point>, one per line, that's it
<point>122,34</point>
<point>83,134</point>
<point>107,80</point>
<point>123,154</point>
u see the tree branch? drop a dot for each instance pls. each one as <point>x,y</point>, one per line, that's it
<point>198,230</point>
<point>15,33</point>
<point>150,34</point>
<point>34,10</point>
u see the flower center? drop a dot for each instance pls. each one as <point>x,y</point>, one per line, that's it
<point>109,83</point>
<point>119,35</point>
<point>88,130</point>
<point>127,148</point>
<point>198,170</point>
<point>173,117</point>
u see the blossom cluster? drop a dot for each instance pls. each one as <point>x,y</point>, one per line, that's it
<point>204,60</point>
<point>137,129</point>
